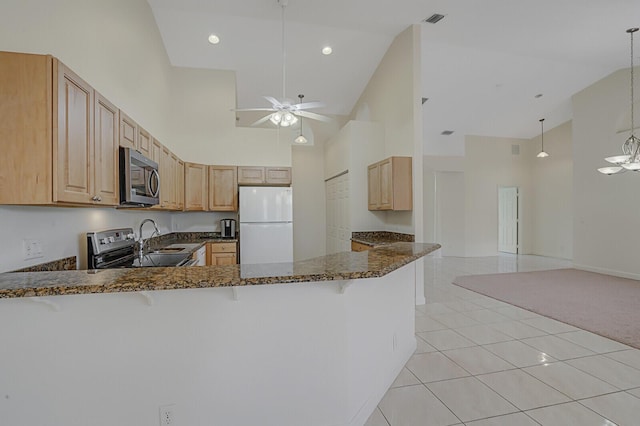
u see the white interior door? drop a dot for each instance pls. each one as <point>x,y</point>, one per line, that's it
<point>338,227</point>
<point>508,219</point>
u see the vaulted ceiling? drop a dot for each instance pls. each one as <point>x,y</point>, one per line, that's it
<point>482,65</point>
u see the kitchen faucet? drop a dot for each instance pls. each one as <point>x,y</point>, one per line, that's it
<point>141,240</point>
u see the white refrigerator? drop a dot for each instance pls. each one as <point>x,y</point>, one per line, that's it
<point>266,224</point>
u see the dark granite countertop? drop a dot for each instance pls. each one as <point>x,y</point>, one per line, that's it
<point>340,266</point>
<point>380,238</point>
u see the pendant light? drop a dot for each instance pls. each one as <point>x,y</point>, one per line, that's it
<point>630,160</point>
<point>542,153</point>
<point>300,140</point>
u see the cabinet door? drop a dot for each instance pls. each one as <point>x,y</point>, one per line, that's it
<point>73,147</point>
<point>386,185</point>
<point>223,259</point>
<point>167,179</point>
<point>26,92</point>
<point>278,175</point>
<point>195,187</point>
<point>223,188</point>
<point>105,170</point>
<point>128,131</point>
<point>373,174</point>
<point>144,141</point>
<point>251,175</point>
<point>179,175</point>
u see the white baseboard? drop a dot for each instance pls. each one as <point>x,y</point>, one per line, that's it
<point>606,271</point>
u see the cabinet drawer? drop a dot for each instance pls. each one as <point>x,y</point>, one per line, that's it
<point>223,247</point>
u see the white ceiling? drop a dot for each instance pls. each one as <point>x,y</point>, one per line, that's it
<point>482,64</point>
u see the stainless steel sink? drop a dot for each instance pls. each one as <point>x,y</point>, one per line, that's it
<point>162,259</point>
<point>168,250</point>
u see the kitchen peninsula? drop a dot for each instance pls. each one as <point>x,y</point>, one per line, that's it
<point>312,342</point>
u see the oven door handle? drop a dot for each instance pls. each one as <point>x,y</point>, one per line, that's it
<point>154,175</point>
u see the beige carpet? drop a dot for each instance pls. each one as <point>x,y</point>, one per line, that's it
<point>605,305</point>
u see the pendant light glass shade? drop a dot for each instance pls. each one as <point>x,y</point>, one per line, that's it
<point>630,160</point>
<point>542,153</point>
<point>300,140</point>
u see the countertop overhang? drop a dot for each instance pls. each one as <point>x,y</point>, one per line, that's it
<point>372,263</point>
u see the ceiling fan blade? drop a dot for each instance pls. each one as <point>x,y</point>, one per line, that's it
<point>314,116</point>
<point>309,105</point>
<point>274,101</point>
<point>262,120</point>
<point>253,109</point>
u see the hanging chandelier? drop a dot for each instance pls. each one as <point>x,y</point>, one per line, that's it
<point>542,153</point>
<point>630,158</point>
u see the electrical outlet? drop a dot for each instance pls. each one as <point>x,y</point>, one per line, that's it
<point>31,249</point>
<point>168,415</point>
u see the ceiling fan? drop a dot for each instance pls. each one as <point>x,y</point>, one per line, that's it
<point>284,112</point>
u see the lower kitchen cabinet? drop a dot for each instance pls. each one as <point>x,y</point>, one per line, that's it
<point>222,253</point>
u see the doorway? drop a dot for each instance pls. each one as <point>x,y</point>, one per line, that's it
<point>508,213</point>
<point>338,218</point>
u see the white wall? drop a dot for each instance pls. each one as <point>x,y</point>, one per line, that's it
<point>605,207</point>
<point>392,99</point>
<point>286,355</point>
<point>490,164</point>
<point>309,211</point>
<point>450,213</point>
<point>204,127</point>
<point>552,185</point>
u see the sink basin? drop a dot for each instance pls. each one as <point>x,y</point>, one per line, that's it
<point>168,250</point>
<point>161,259</point>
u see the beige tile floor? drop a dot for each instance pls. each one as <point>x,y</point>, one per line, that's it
<point>482,362</point>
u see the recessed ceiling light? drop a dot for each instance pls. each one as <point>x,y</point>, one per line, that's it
<point>214,39</point>
<point>327,50</point>
<point>539,95</point>
<point>447,132</point>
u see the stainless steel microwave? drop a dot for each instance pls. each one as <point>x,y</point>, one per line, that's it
<point>139,179</point>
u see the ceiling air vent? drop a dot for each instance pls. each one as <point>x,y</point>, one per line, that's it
<point>434,18</point>
<point>447,132</point>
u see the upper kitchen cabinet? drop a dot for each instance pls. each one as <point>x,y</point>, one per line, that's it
<point>223,188</point>
<point>145,141</point>
<point>252,175</point>
<point>47,135</point>
<point>390,184</point>
<point>106,123</point>
<point>195,187</point>
<point>128,132</point>
<point>179,182</point>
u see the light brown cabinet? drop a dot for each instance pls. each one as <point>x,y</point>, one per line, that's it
<point>356,246</point>
<point>390,184</point>
<point>178,196</point>
<point>128,132</point>
<point>222,253</point>
<point>105,150</point>
<point>223,188</point>
<point>145,141</point>
<point>256,175</point>
<point>47,142</point>
<point>195,187</point>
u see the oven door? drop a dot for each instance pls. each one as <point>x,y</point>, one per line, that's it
<point>139,179</point>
